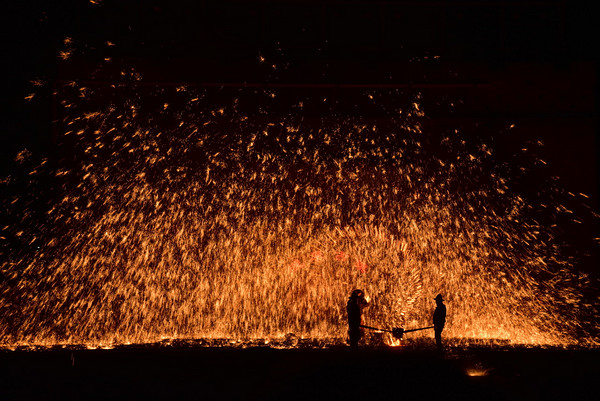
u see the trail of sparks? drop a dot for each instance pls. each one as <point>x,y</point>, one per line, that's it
<point>179,220</point>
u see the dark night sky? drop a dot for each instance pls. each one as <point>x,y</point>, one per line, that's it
<point>537,60</point>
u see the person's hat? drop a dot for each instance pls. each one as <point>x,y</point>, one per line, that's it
<point>357,293</point>
<point>439,296</point>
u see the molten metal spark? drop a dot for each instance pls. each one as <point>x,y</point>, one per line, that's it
<point>187,222</point>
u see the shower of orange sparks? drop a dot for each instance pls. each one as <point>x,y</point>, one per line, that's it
<point>170,251</point>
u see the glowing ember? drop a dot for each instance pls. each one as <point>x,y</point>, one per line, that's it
<point>181,222</point>
<point>475,372</point>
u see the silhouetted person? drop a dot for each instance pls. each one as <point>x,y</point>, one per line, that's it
<point>354,307</point>
<point>439,320</point>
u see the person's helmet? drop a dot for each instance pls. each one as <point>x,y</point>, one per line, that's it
<point>439,297</point>
<point>357,294</point>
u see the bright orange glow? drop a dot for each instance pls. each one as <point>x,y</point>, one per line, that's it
<point>210,224</point>
<point>476,372</point>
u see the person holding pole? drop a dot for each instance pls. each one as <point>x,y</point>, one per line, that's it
<point>439,320</point>
<point>354,307</point>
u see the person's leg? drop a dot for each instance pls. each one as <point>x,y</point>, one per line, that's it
<point>354,336</point>
<point>438,340</point>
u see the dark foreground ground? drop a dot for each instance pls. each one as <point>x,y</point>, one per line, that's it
<point>261,373</point>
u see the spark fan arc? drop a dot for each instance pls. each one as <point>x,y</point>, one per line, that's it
<point>178,215</point>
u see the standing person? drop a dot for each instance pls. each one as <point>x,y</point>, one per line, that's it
<point>439,320</point>
<point>354,307</point>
